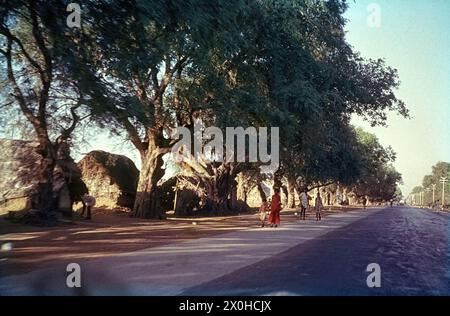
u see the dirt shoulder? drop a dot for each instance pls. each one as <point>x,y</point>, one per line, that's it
<point>109,234</point>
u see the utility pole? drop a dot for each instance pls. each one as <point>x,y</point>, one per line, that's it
<point>444,180</point>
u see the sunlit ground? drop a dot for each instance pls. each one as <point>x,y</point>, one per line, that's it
<point>111,234</point>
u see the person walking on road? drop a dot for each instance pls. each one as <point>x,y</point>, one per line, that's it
<point>263,212</point>
<point>88,202</point>
<point>275,209</point>
<point>304,201</point>
<point>318,206</point>
<point>364,201</point>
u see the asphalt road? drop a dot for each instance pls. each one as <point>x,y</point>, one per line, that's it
<point>410,245</point>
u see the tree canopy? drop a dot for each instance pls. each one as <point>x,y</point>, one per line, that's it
<point>147,67</point>
<point>432,182</point>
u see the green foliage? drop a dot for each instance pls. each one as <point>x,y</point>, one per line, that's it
<point>439,170</point>
<point>315,82</point>
<point>272,63</point>
<point>377,179</point>
<point>145,67</point>
<point>398,196</point>
<point>417,190</point>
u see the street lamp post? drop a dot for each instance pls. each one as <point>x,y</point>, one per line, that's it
<point>444,180</point>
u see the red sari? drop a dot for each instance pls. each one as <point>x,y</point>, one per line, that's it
<point>275,209</point>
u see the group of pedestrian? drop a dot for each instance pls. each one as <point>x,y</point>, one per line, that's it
<point>273,208</point>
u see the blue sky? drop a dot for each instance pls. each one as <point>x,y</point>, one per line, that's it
<point>414,37</point>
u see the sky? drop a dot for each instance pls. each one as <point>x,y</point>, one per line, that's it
<point>414,38</point>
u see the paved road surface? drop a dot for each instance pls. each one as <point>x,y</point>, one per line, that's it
<point>410,245</point>
<point>306,258</point>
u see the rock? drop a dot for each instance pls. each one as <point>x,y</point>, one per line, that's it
<point>111,179</point>
<point>19,168</point>
<point>20,171</point>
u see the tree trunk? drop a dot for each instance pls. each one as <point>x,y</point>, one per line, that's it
<point>284,190</point>
<point>233,197</point>
<point>186,201</point>
<point>344,196</point>
<point>217,201</point>
<point>147,203</point>
<point>242,188</point>
<point>291,192</point>
<point>277,182</point>
<point>221,192</point>
<point>47,202</point>
<point>262,194</point>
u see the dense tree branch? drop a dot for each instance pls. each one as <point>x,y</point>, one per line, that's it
<point>6,32</point>
<point>320,185</point>
<point>48,69</point>
<point>17,90</point>
<point>133,135</point>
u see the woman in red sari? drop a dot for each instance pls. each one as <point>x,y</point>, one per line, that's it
<point>275,208</point>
